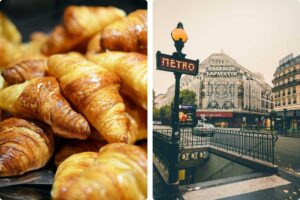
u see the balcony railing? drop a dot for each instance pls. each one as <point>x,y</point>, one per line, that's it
<point>286,85</point>
<point>291,73</point>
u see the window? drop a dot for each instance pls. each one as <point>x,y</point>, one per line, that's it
<point>294,89</point>
<point>289,101</point>
<point>294,101</point>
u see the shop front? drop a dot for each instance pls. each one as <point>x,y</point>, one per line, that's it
<point>232,119</point>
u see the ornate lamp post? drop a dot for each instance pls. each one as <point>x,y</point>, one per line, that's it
<point>179,37</point>
<point>177,64</point>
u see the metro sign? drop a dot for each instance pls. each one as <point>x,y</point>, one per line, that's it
<point>173,64</point>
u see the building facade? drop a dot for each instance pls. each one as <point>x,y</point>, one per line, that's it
<point>286,91</point>
<point>228,94</point>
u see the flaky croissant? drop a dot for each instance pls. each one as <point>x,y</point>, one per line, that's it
<point>80,23</point>
<point>8,30</point>
<point>23,147</point>
<point>70,147</point>
<point>25,69</point>
<point>40,98</point>
<point>137,118</point>
<point>128,34</point>
<point>94,91</point>
<point>8,52</point>
<point>93,44</point>
<point>119,171</point>
<point>132,68</point>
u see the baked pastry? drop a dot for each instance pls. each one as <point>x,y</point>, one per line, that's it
<point>8,30</point>
<point>119,171</point>
<point>80,23</point>
<point>137,118</point>
<point>70,147</point>
<point>94,91</point>
<point>40,99</point>
<point>128,34</point>
<point>8,52</point>
<point>25,69</point>
<point>93,45</point>
<point>23,147</point>
<point>132,68</point>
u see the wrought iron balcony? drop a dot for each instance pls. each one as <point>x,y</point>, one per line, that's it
<point>286,85</point>
<point>291,73</point>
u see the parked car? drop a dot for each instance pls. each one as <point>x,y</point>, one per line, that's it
<point>157,123</point>
<point>204,130</point>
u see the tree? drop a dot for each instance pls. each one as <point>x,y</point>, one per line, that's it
<point>165,114</point>
<point>156,114</point>
<point>187,97</point>
<point>153,92</point>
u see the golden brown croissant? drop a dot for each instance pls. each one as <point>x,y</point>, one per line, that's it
<point>128,34</point>
<point>40,98</point>
<point>25,69</point>
<point>93,45</point>
<point>23,147</point>
<point>8,30</point>
<point>8,52</point>
<point>137,118</point>
<point>132,68</point>
<point>80,23</point>
<point>70,147</point>
<point>94,91</point>
<point>2,81</point>
<point>39,37</point>
<point>119,171</point>
<point>69,171</point>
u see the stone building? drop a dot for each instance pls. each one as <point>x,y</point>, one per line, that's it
<point>228,94</point>
<point>286,91</point>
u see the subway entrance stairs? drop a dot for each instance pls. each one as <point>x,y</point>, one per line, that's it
<point>225,157</point>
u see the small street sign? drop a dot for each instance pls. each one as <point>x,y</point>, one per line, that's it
<point>173,64</point>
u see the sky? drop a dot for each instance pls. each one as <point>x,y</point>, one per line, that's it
<point>256,33</point>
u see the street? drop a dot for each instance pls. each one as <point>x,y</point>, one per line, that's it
<point>287,153</point>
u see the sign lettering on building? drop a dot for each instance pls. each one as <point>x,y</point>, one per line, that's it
<point>170,63</point>
<point>286,59</point>
<point>221,71</point>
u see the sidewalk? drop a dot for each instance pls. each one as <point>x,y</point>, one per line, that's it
<point>281,186</point>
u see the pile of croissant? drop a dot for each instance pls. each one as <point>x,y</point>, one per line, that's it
<point>78,94</point>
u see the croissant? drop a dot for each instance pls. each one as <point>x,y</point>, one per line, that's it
<point>8,30</point>
<point>80,23</point>
<point>23,147</point>
<point>25,69</point>
<point>38,37</point>
<point>128,34</point>
<point>94,91</point>
<point>93,45</point>
<point>131,67</point>
<point>8,52</point>
<point>2,81</point>
<point>119,171</point>
<point>137,118</point>
<point>70,147</point>
<point>40,99</point>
